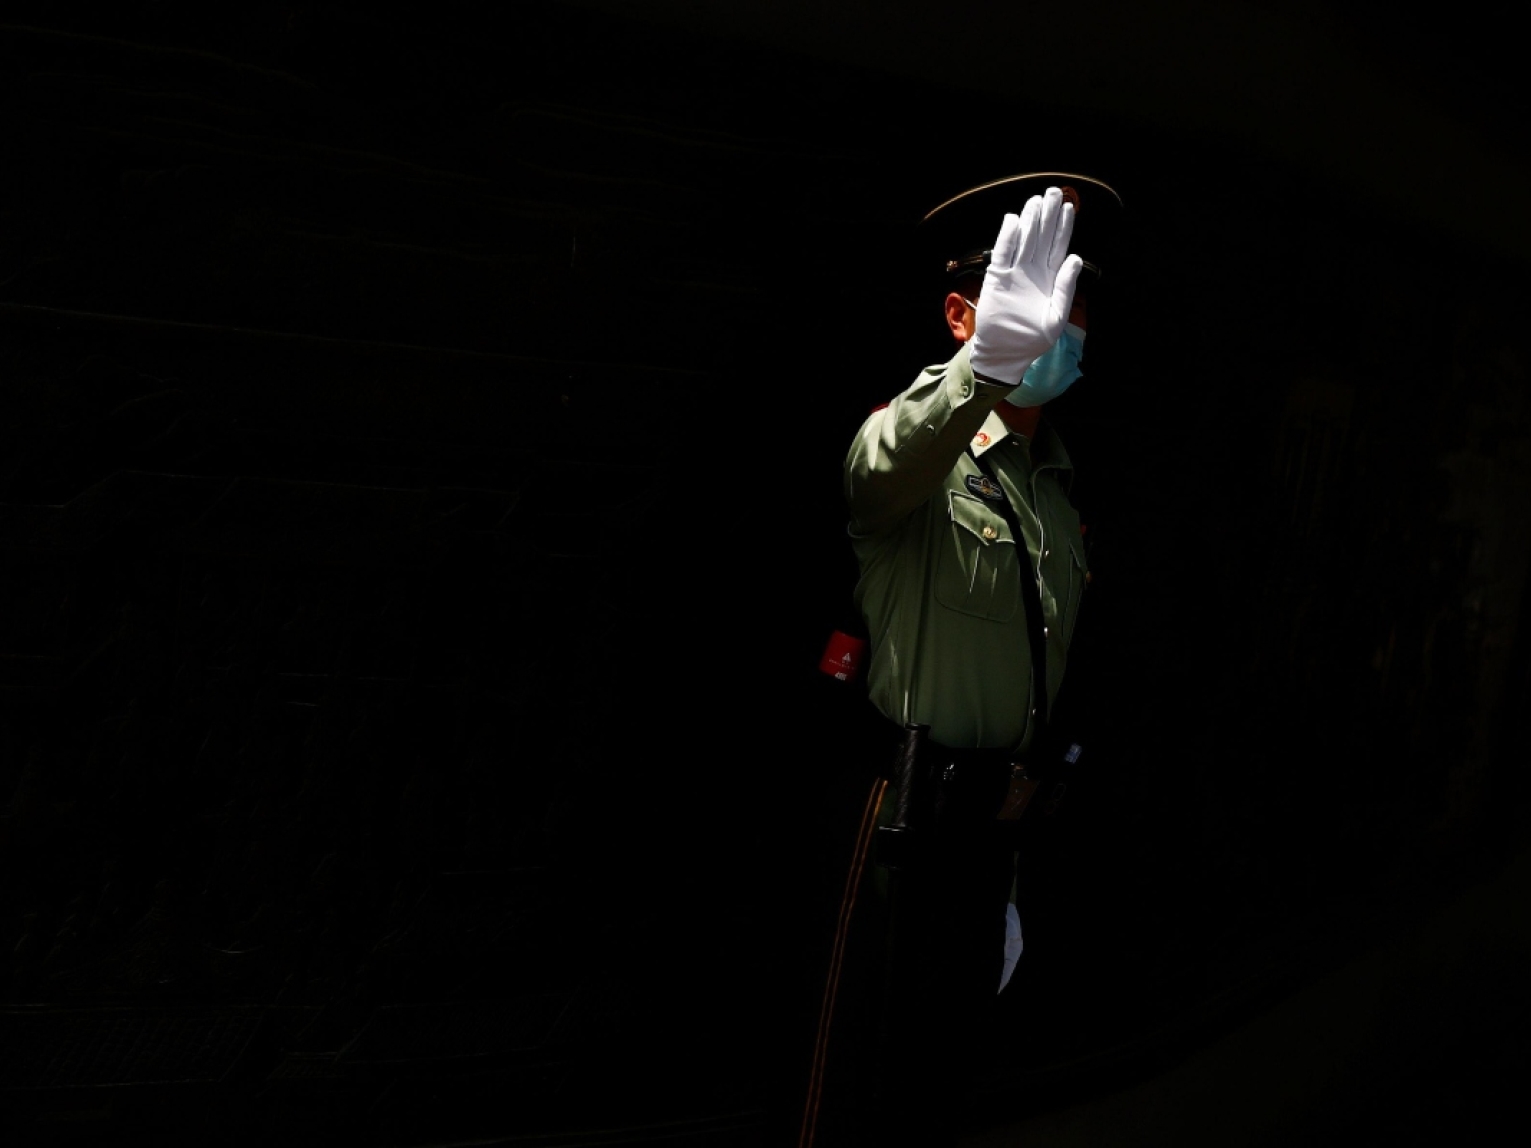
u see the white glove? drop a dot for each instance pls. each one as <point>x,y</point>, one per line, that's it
<point>1027,290</point>
<point>1013,945</point>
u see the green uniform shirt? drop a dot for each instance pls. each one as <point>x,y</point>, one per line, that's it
<point>940,569</point>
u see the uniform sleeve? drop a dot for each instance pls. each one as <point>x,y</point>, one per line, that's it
<point>904,451</point>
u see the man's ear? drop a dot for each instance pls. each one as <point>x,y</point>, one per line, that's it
<point>959,317</point>
<point>1079,313</point>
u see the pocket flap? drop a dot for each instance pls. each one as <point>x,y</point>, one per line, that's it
<point>971,514</point>
<point>1076,547</point>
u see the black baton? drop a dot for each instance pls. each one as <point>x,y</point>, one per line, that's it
<point>896,842</point>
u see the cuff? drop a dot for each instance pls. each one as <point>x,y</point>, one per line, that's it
<point>962,384</point>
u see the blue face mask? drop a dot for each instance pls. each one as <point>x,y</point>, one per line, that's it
<point>1053,373</point>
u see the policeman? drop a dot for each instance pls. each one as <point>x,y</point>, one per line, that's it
<point>972,572</point>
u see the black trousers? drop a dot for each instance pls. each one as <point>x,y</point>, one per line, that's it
<point>946,945</point>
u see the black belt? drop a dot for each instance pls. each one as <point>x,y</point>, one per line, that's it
<point>930,750</point>
<point>960,759</point>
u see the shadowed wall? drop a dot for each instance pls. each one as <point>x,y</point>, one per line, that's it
<point>421,517</point>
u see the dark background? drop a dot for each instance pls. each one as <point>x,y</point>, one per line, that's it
<point>419,517</point>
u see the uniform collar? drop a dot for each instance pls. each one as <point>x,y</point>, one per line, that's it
<point>1045,450</point>
<point>991,434</point>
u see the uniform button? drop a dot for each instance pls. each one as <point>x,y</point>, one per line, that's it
<point>1047,554</point>
<point>1033,711</point>
<point>988,532</point>
<point>1045,631</point>
<point>1088,577</point>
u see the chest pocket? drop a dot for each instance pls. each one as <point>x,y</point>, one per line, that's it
<point>979,569</point>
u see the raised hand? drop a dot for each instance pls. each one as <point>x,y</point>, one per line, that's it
<point>1027,290</point>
